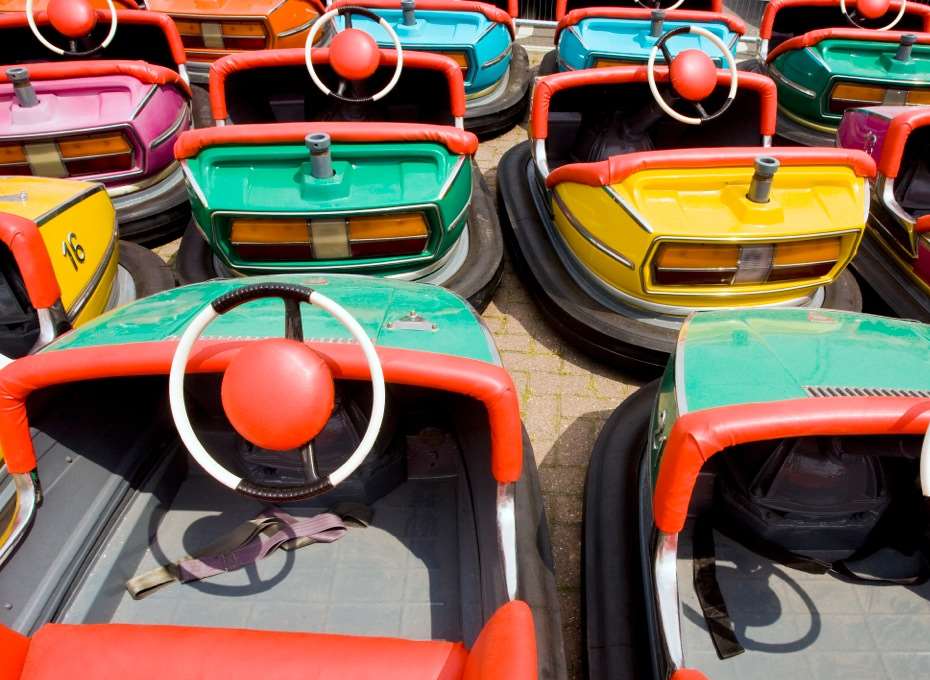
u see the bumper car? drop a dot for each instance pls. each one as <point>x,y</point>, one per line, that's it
<point>624,215</point>
<point>894,255</point>
<point>827,56</point>
<point>62,263</point>
<point>595,37</point>
<point>478,36</point>
<point>379,181</point>
<point>360,508</point>
<point>98,96</point>
<point>700,516</point>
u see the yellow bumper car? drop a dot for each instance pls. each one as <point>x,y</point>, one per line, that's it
<point>61,261</point>
<point>624,215</point>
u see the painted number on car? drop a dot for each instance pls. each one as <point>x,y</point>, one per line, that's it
<point>73,250</point>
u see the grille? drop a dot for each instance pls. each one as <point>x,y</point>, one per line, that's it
<point>864,392</point>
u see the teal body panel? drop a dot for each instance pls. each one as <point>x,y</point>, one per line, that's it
<point>274,180</point>
<point>757,356</point>
<point>817,69</point>
<point>629,40</point>
<point>452,327</point>
<point>486,43</point>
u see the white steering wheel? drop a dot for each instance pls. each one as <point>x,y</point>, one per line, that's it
<point>893,23</point>
<point>326,19</point>
<point>651,75</point>
<point>676,5</point>
<point>292,295</point>
<point>30,18</point>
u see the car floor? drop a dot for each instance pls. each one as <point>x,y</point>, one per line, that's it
<point>839,630</point>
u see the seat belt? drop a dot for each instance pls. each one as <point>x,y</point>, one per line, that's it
<point>272,529</point>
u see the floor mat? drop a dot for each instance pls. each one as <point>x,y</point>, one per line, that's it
<point>797,626</point>
<point>399,577</point>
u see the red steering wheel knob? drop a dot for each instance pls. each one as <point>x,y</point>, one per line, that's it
<point>693,74</point>
<point>873,9</point>
<point>278,394</point>
<point>72,18</point>
<point>354,55</point>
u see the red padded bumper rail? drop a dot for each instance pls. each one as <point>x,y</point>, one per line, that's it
<point>491,12</point>
<point>505,650</point>
<point>574,17</point>
<point>812,38</point>
<point>485,382</point>
<point>899,130</point>
<point>697,436</point>
<point>124,16</point>
<point>150,74</point>
<point>617,168</point>
<point>548,86</point>
<point>25,242</point>
<point>192,142</point>
<point>244,61</point>
<point>561,8</point>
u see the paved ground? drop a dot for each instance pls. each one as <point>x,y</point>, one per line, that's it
<point>565,398</point>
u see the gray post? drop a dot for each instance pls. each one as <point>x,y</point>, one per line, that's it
<point>658,18</point>
<point>408,7</point>
<point>761,185</point>
<point>22,87</point>
<point>321,161</point>
<point>904,47</point>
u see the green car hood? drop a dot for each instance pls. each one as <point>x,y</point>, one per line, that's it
<point>383,307</point>
<point>728,358</point>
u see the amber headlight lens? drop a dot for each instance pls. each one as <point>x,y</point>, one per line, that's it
<point>96,154</point>
<point>846,95</point>
<point>686,264</point>
<point>604,63</point>
<point>459,58</point>
<point>222,35</point>
<point>13,160</point>
<point>363,236</point>
<point>700,264</point>
<point>918,97</point>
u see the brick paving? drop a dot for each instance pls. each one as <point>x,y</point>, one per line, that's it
<point>565,397</point>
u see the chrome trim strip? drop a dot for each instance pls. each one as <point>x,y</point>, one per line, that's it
<point>766,140</point>
<point>192,183</point>
<point>490,27</point>
<point>74,200</point>
<point>680,395</point>
<point>26,500</point>
<point>885,188</point>
<point>461,215</point>
<point>297,29</point>
<point>588,236</point>
<point>666,580</point>
<point>499,58</point>
<point>91,286</point>
<point>778,75</point>
<point>171,131</point>
<point>126,189</point>
<point>507,536</point>
<point>539,155</point>
<point>619,200</point>
<point>143,102</point>
<point>450,180</point>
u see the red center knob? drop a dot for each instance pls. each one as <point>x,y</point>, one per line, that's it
<point>693,75</point>
<point>872,9</point>
<point>354,54</point>
<point>72,18</point>
<point>278,394</point>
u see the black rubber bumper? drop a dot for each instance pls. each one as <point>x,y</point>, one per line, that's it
<point>498,116</point>
<point>615,608</point>
<point>882,273</point>
<point>476,279</point>
<point>159,228</point>
<point>604,332</point>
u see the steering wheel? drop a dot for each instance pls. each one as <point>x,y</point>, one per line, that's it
<point>353,54</point>
<point>692,74</point>
<point>73,19</point>
<point>658,5</point>
<point>873,9</point>
<point>277,393</point>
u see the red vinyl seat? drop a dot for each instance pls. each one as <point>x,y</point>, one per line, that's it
<point>506,648</point>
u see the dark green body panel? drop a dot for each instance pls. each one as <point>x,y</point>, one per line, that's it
<point>819,67</point>
<point>452,327</point>
<point>275,180</point>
